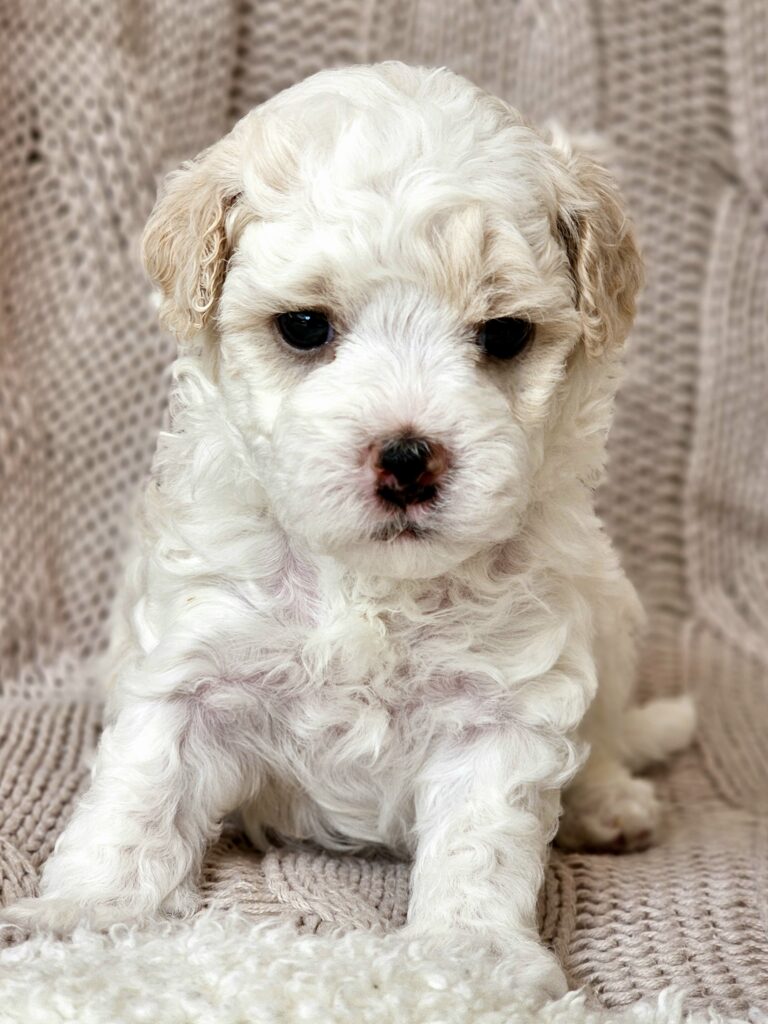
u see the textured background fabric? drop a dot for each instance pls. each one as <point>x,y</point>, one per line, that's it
<point>102,98</point>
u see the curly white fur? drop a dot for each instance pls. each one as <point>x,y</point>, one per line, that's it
<point>267,973</point>
<point>286,646</point>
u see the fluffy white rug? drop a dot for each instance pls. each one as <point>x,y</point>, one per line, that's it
<point>225,969</point>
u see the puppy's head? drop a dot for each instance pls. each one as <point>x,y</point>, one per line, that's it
<point>412,298</point>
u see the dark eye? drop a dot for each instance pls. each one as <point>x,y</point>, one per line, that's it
<point>305,329</point>
<point>505,337</point>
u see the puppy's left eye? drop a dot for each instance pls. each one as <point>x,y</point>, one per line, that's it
<point>305,329</point>
<point>505,337</point>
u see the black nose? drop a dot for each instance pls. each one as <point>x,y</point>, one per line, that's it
<point>408,469</point>
<point>406,459</point>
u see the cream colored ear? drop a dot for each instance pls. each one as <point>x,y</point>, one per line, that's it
<point>599,239</point>
<point>185,244</point>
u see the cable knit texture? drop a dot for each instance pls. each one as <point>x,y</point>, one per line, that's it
<point>99,101</point>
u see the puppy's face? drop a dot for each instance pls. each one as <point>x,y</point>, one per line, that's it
<point>399,277</point>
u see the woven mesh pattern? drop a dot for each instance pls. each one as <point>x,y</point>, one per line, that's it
<point>99,101</point>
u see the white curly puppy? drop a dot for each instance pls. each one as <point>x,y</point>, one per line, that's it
<point>372,602</point>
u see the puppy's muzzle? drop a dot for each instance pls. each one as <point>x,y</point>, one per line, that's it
<point>408,470</point>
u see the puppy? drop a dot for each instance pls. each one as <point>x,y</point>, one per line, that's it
<point>371,602</point>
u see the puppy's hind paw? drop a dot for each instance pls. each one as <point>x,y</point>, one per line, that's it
<point>617,815</point>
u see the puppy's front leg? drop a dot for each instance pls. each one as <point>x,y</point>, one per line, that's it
<point>162,781</point>
<point>486,809</point>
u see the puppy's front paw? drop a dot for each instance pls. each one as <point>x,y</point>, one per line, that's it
<point>61,915</point>
<point>518,962</point>
<point>530,969</point>
<point>44,914</point>
<point>617,815</point>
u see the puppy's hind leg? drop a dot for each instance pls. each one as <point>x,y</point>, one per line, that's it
<point>161,784</point>
<point>654,731</point>
<point>606,807</point>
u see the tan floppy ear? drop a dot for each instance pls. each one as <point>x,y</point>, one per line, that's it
<point>600,242</point>
<point>185,244</point>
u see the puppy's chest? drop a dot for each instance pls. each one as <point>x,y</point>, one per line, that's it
<point>397,681</point>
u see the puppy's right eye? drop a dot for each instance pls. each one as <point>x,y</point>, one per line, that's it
<point>305,329</point>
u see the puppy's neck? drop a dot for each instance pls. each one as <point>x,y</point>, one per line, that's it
<point>339,584</point>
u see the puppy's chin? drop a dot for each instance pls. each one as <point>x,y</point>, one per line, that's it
<point>409,555</point>
<point>402,546</point>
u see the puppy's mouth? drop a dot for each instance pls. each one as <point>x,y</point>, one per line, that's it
<point>400,527</point>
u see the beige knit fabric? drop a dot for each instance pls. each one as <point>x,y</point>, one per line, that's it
<point>99,99</point>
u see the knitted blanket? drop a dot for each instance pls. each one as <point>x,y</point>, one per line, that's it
<point>99,101</point>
